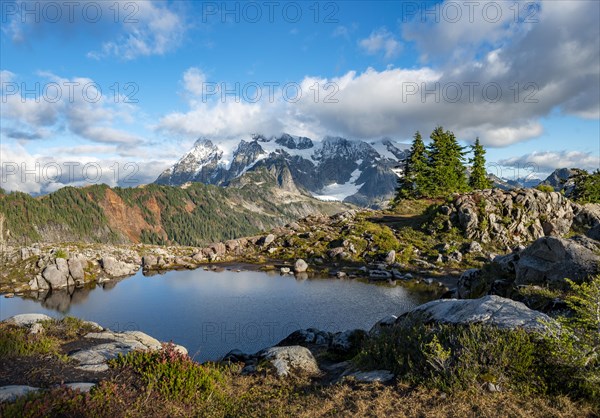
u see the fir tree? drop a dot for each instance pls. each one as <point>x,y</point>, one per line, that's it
<point>586,187</point>
<point>415,171</point>
<point>446,162</point>
<point>478,179</point>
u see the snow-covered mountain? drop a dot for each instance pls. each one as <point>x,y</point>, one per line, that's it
<point>511,184</point>
<point>359,172</point>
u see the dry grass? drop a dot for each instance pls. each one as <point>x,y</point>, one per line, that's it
<point>268,396</point>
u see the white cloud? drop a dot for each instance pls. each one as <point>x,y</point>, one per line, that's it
<point>341,31</point>
<point>515,75</point>
<point>72,106</point>
<point>457,31</point>
<point>39,174</point>
<point>547,161</point>
<point>132,28</point>
<point>5,77</point>
<point>193,80</point>
<point>381,40</point>
<point>157,30</point>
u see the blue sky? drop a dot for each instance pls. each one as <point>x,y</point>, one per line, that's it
<point>527,73</point>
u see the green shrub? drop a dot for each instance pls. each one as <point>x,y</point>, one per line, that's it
<point>106,399</point>
<point>174,375</point>
<point>67,328</point>
<point>60,253</point>
<point>575,351</point>
<point>546,188</point>
<point>455,357</point>
<point>16,341</point>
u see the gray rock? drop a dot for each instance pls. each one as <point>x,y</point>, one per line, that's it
<point>76,269</point>
<point>380,274</point>
<point>300,266</point>
<point>284,270</point>
<point>115,268</point>
<point>337,252</point>
<point>345,342</point>
<point>55,277</point>
<point>587,215</point>
<point>455,256</point>
<point>80,386</point>
<point>33,284</point>
<point>127,337</point>
<point>62,265</point>
<point>235,356</point>
<point>382,376</point>
<point>512,217</point>
<point>507,263</point>
<point>42,284</point>
<point>390,257</point>
<point>341,275</point>
<point>549,260</point>
<point>268,239</point>
<point>493,388</point>
<point>382,324</point>
<point>150,261</point>
<point>594,233</point>
<point>95,358</point>
<point>310,336</point>
<point>36,328</point>
<point>25,253</point>
<point>291,359</point>
<point>491,310</point>
<point>472,284</point>
<point>26,320</point>
<point>198,257</point>
<point>474,247</point>
<point>12,392</point>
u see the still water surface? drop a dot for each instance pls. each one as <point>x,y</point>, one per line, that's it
<point>211,313</point>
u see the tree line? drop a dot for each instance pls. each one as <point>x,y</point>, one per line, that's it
<point>438,169</point>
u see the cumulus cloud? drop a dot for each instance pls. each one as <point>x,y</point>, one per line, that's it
<point>80,166</point>
<point>193,80</point>
<point>548,161</point>
<point>5,77</point>
<point>135,27</point>
<point>516,73</point>
<point>381,40</point>
<point>71,106</point>
<point>155,29</point>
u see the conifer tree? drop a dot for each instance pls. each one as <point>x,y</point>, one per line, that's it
<point>414,178</point>
<point>586,186</point>
<point>478,179</point>
<point>446,161</point>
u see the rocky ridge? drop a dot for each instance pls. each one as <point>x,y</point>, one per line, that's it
<point>358,172</point>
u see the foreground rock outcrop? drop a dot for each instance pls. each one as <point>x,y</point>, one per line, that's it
<point>545,263</point>
<point>105,344</point>
<point>490,310</point>
<point>549,260</point>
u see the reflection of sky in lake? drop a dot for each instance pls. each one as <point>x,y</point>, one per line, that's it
<point>212,313</point>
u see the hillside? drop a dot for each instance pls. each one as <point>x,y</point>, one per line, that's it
<point>193,214</point>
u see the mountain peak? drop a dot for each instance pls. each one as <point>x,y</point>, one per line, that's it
<point>350,170</point>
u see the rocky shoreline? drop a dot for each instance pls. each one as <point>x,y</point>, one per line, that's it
<point>489,256</point>
<point>74,265</point>
<point>308,352</point>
